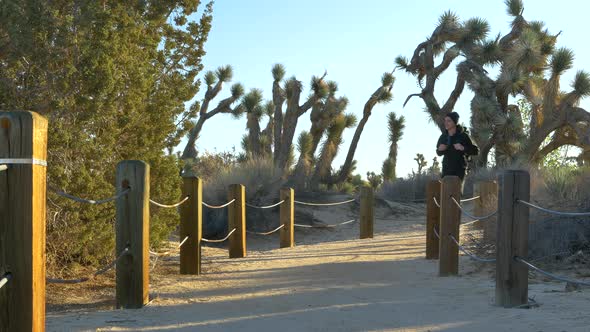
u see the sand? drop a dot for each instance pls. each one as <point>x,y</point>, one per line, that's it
<point>330,281</point>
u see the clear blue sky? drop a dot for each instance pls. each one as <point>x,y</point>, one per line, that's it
<point>356,42</point>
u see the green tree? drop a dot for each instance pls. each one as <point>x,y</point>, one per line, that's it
<point>113,78</point>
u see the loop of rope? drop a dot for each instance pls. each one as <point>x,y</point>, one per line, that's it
<point>267,233</point>
<point>325,226</point>
<point>436,233</point>
<point>90,201</point>
<point>220,240</point>
<point>551,275</point>
<point>3,168</point>
<point>470,215</point>
<point>171,205</point>
<point>325,204</point>
<point>169,251</point>
<point>4,280</point>
<point>435,202</point>
<point>265,207</point>
<point>566,214</point>
<point>94,275</point>
<point>472,256</point>
<point>219,206</point>
<point>470,199</point>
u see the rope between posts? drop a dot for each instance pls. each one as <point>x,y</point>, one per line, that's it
<point>219,206</point>
<point>470,215</point>
<point>470,199</point>
<point>436,233</point>
<point>472,256</point>
<point>566,214</point>
<point>94,275</point>
<point>325,204</point>
<point>90,201</point>
<point>265,207</point>
<point>325,226</point>
<point>267,233</point>
<point>435,202</point>
<point>220,240</point>
<point>169,251</point>
<point>3,168</point>
<point>171,205</point>
<point>4,280</point>
<point>551,275</point>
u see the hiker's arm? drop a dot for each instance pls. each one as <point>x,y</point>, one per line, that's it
<point>441,149</point>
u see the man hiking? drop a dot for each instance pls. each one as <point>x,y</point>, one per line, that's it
<point>455,145</point>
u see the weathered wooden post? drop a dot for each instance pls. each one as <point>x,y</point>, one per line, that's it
<point>237,220</point>
<point>488,195</point>
<point>132,233</point>
<point>23,149</point>
<point>432,218</point>
<point>450,219</point>
<point>287,213</point>
<point>512,239</point>
<point>191,221</point>
<point>367,212</point>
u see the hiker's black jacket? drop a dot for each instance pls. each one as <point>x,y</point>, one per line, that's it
<point>454,161</point>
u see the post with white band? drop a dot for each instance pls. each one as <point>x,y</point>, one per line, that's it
<point>23,151</point>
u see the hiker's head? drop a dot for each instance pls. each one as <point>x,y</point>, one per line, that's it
<point>451,120</point>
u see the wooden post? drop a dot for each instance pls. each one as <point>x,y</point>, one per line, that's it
<point>191,221</point>
<point>23,138</point>
<point>237,219</point>
<point>450,219</point>
<point>132,229</point>
<point>486,204</point>
<point>432,218</point>
<point>512,237</point>
<point>367,212</point>
<point>287,218</point>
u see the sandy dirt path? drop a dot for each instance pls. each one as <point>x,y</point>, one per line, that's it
<point>333,282</point>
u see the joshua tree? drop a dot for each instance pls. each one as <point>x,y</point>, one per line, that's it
<point>529,66</point>
<point>421,161</point>
<point>291,93</point>
<point>435,168</point>
<point>330,148</point>
<point>214,81</point>
<point>374,179</point>
<point>396,130</point>
<point>304,165</point>
<point>382,95</point>
<point>251,104</point>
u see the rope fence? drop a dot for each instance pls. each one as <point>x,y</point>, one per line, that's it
<point>472,216</point>
<point>219,206</point>
<point>325,204</point>
<point>551,275</point>
<point>103,270</point>
<point>325,226</point>
<point>470,199</point>
<point>170,251</point>
<point>557,213</point>
<point>5,278</point>
<point>219,240</point>
<point>267,233</point>
<point>90,201</point>
<point>471,255</point>
<point>170,205</point>
<point>436,202</point>
<point>265,207</point>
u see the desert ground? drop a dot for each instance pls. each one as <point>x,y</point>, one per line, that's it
<point>331,281</point>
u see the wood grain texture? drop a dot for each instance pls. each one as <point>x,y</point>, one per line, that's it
<point>367,212</point>
<point>237,220</point>
<point>512,239</point>
<point>449,225</point>
<point>432,218</point>
<point>132,231</point>
<point>191,221</point>
<point>22,222</point>
<point>287,215</point>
